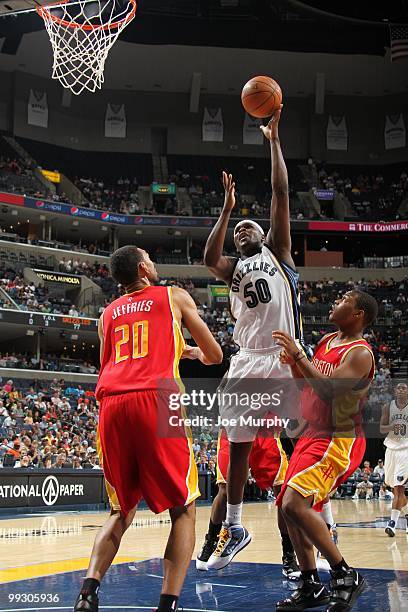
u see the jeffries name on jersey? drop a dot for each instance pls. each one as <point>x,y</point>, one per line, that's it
<point>131,306</point>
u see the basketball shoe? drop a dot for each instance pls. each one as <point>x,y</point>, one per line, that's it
<point>345,587</point>
<point>310,594</point>
<point>87,602</point>
<point>390,529</point>
<point>321,561</point>
<point>231,540</point>
<point>289,565</point>
<point>210,544</point>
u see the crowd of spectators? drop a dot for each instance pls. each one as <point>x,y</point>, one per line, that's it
<point>48,426</point>
<point>95,270</point>
<point>49,362</point>
<point>34,298</point>
<point>366,483</point>
<point>318,296</point>
<point>372,196</point>
<point>120,196</point>
<point>17,175</point>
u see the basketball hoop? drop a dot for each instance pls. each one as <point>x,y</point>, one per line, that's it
<point>81,35</point>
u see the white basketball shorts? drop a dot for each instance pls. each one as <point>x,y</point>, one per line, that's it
<point>396,467</point>
<point>257,383</point>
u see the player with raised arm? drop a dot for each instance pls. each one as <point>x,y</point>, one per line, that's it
<point>141,345</point>
<point>394,422</point>
<point>263,297</point>
<point>332,446</point>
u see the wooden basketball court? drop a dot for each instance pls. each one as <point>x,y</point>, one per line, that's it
<point>48,553</point>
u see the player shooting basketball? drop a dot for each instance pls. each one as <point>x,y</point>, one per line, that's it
<point>263,296</point>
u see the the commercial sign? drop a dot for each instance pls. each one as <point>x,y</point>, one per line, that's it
<point>219,294</point>
<point>358,226</point>
<point>59,277</point>
<point>59,487</point>
<point>202,222</point>
<point>161,189</point>
<point>52,175</point>
<point>324,194</point>
<point>42,488</point>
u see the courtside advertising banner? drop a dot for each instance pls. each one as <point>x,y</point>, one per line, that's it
<point>213,125</point>
<point>115,121</point>
<point>336,135</point>
<point>394,132</point>
<point>37,109</point>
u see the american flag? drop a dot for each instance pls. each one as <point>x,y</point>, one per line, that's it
<point>399,41</point>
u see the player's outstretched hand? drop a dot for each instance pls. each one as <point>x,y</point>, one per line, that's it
<point>270,131</point>
<point>229,188</point>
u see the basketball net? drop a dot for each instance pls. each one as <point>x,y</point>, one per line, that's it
<point>81,35</point>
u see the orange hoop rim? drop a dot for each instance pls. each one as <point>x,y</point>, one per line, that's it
<point>44,12</point>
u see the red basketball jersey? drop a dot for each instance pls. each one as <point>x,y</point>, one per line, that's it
<point>344,412</point>
<point>143,343</point>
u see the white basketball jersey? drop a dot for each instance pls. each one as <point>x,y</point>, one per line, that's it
<point>397,439</point>
<point>264,298</point>
<point>394,132</point>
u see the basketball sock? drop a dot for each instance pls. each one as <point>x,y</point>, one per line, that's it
<point>90,585</point>
<point>287,546</point>
<point>234,514</point>
<point>327,514</point>
<point>395,514</point>
<point>168,603</point>
<point>310,575</point>
<point>341,566</point>
<point>214,529</point>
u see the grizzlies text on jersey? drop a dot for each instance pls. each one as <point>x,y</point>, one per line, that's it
<point>264,298</point>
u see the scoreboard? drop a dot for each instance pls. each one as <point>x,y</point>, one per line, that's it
<point>41,320</point>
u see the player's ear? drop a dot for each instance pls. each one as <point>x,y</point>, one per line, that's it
<point>142,269</point>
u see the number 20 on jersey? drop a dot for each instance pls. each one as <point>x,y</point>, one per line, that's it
<point>133,341</point>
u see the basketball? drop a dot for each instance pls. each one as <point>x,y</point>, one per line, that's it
<point>261,96</point>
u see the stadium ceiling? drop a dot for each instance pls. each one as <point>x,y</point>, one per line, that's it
<point>287,25</point>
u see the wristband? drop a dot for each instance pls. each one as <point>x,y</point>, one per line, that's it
<point>297,358</point>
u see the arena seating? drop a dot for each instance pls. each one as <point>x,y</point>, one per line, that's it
<point>373,193</point>
<point>98,164</point>
<point>16,173</point>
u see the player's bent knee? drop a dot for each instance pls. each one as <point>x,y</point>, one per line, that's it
<point>293,504</point>
<point>183,512</point>
<point>125,521</point>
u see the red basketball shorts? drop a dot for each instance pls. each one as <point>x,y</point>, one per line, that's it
<point>139,463</point>
<point>268,461</point>
<point>320,465</point>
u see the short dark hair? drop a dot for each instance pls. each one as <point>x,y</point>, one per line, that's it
<point>124,264</point>
<point>366,302</point>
